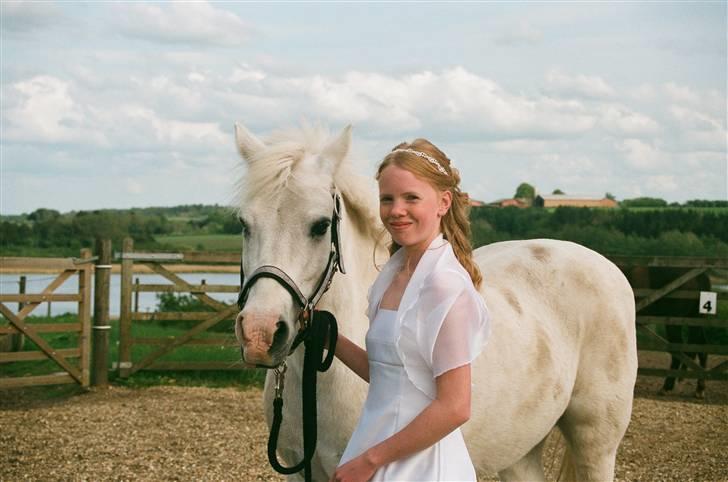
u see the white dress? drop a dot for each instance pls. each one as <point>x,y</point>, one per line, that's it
<point>392,402</point>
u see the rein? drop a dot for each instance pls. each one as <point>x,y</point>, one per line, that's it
<point>314,326</point>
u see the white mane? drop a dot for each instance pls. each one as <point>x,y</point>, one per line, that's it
<point>276,167</point>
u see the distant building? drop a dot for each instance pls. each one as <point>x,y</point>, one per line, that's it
<point>504,203</point>
<point>556,200</point>
<point>474,203</point>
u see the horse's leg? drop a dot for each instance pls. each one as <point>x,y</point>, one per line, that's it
<point>700,389</point>
<point>673,334</point>
<point>696,336</point>
<point>528,468</point>
<point>593,425</point>
<point>669,384</point>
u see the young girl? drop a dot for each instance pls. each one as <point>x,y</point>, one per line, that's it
<point>427,324</point>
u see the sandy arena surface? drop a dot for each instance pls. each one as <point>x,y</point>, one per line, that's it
<point>195,433</point>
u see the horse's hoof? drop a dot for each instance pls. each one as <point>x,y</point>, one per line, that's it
<point>700,395</point>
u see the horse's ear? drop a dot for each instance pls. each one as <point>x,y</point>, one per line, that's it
<point>246,142</point>
<point>337,150</point>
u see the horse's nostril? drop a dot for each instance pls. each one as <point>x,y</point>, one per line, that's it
<point>280,336</point>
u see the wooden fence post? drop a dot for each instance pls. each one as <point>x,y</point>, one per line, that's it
<point>84,316</point>
<point>102,284</point>
<point>17,340</point>
<point>127,271</point>
<point>21,290</point>
<point>136,294</point>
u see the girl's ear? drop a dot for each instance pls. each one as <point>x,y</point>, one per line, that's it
<point>445,203</point>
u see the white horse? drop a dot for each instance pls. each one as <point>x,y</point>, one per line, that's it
<point>562,351</point>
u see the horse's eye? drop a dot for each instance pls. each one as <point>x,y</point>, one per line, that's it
<point>246,228</point>
<point>319,228</point>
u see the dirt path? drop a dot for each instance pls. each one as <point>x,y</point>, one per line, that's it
<point>193,433</point>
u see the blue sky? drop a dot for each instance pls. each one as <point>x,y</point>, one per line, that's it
<point>133,104</point>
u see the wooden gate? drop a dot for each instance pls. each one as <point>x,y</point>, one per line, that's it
<point>689,269</point>
<point>74,361</point>
<point>146,352</point>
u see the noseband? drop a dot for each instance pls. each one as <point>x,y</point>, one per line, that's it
<point>335,263</point>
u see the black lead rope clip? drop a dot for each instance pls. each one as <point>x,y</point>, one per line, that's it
<point>280,375</point>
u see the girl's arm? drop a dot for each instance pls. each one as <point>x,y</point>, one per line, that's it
<point>353,356</point>
<point>449,410</point>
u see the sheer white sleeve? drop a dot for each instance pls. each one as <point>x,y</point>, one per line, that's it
<point>450,329</point>
<point>463,334</point>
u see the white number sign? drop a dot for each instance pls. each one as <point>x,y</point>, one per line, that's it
<point>708,302</point>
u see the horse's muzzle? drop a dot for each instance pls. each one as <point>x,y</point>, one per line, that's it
<point>263,338</point>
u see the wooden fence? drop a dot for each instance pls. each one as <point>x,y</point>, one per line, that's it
<point>689,268</point>
<point>144,352</point>
<point>153,349</point>
<point>74,361</point>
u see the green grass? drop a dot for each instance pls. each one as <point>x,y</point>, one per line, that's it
<point>203,242</point>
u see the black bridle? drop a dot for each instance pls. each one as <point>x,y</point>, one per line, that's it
<point>314,326</point>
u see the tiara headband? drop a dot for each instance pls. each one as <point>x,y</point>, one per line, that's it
<point>426,157</point>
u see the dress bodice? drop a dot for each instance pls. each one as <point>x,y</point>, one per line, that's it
<point>381,339</point>
<point>392,403</point>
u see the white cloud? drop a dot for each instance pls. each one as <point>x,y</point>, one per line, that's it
<point>644,92</point>
<point>578,85</point>
<point>528,146</point>
<point>195,77</point>
<point>641,155</point>
<point>466,104</point>
<point>183,22</point>
<point>172,133</point>
<point>691,119</point>
<point>663,183</point>
<point>699,130</point>
<point>245,73</point>
<point>522,34</point>
<point>42,109</point>
<point>622,121</point>
<point>681,94</point>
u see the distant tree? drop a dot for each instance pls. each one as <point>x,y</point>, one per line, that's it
<point>558,191</point>
<point>611,196</point>
<point>525,191</point>
<point>705,203</point>
<point>43,214</point>
<point>644,202</point>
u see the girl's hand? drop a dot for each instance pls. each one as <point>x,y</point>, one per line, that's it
<point>359,469</point>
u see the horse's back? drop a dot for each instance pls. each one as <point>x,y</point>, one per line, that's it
<point>563,323</point>
<point>571,292</point>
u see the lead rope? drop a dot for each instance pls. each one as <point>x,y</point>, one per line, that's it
<point>322,323</point>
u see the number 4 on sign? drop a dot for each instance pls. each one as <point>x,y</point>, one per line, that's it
<point>708,302</point>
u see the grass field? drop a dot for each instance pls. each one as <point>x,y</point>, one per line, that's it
<point>203,242</point>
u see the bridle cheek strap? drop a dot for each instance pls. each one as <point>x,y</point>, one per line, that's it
<point>335,263</point>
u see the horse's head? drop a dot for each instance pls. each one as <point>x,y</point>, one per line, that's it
<point>285,208</point>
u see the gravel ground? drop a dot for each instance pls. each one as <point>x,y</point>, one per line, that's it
<point>195,433</point>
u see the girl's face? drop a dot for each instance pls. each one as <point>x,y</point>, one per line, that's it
<point>410,208</point>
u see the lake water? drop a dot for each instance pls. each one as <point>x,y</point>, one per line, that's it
<point>35,283</point>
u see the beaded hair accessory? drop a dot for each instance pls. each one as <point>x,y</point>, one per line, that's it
<point>426,157</point>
